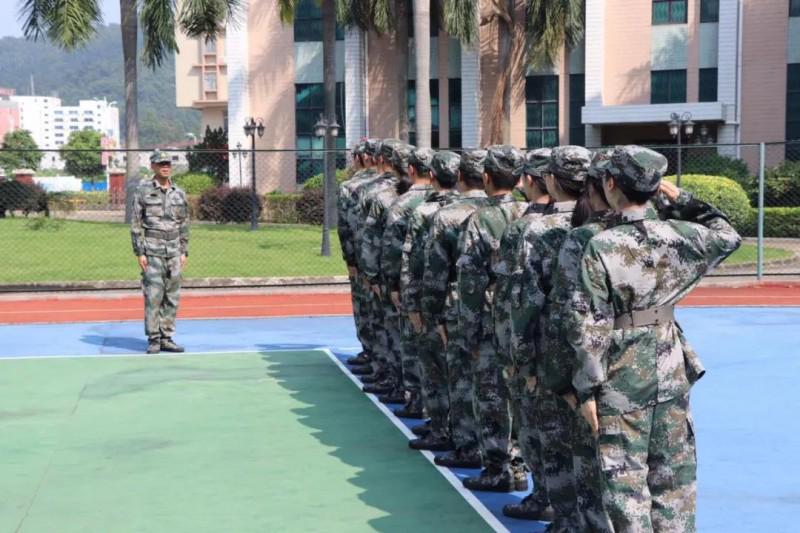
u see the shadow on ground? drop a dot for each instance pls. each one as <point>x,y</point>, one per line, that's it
<point>126,343</point>
<point>394,479</point>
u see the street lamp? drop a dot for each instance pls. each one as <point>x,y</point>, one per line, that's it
<point>328,131</point>
<point>239,155</point>
<point>251,127</point>
<point>678,124</point>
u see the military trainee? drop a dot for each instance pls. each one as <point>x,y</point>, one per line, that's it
<point>160,238</point>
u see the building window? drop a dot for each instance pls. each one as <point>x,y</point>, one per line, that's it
<point>210,82</point>
<point>708,85</point>
<point>667,86</point>
<point>454,111</point>
<point>709,10</point>
<point>669,11</point>
<point>793,111</point>
<point>577,99</point>
<point>541,111</point>
<point>308,23</point>
<point>210,47</point>
<point>794,8</point>
<point>411,98</point>
<point>309,106</point>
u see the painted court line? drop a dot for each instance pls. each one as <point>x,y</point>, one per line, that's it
<point>451,478</point>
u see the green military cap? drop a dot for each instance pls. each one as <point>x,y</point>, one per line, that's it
<point>372,147</point>
<point>387,148</point>
<point>472,160</point>
<point>536,162</point>
<point>636,167</point>
<point>421,159</point>
<point>502,159</point>
<point>570,162</point>
<point>446,163</point>
<point>160,156</point>
<point>599,157</point>
<point>359,148</point>
<point>401,155</point>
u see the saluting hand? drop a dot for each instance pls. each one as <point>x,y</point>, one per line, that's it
<point>669,189</point>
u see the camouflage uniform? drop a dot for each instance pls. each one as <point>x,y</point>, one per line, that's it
<point>440,300</point>
<point>429,344</point>
<point>160,231</point>
<point>631,357</point>
<point>477,246</point>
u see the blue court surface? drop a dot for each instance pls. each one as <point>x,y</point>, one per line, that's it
<point>745,408</point>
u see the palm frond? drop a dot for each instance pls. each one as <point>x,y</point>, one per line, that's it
<point>157,19</point>
<point>460,18</point>
<point>207,18</point>
<point>66,23</point>
<point>287,10</point>
<point>549,25</point>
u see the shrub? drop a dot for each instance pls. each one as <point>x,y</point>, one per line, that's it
<point>723,193</point>
<point>315,181</point>
<point>211,155</point>
<point>209,207</point>
<point>16,196</point>
<point>223,204</point>
<point>782,185</point>
<point>310,207</point>
<point>194,182</point>
<point>82,200</point>
<point>720,165</point>
<point>779,222</point>
<point>281,208</point>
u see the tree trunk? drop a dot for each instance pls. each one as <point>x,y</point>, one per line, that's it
<point>329,82</point>
<point>130,28</point>
<point>401,41</point>
<point>500,131</point>
<point>422,52</point>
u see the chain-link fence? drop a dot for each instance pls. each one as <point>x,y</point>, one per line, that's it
<point>62,213</point>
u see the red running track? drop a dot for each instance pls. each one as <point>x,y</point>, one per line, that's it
<point>101,309</point>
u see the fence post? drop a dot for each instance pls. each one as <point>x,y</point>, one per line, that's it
<point>760,243</point>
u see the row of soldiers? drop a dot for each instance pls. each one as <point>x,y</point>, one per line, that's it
<point>523,303</point>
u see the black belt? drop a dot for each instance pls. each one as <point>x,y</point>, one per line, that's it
<point>646,317</point>
<point>161,234</point>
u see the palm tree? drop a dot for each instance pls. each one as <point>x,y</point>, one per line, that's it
<point>422,49</point>
<point>72,23</point>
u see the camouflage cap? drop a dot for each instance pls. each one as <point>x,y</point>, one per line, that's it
<point>160,156</point>
<point>446,163</point>
<point>372,147</point>
<point>599,157</point>
<point>502,159</point>
<point>422,159</point>
<point>387,148</point>
<point>401,155</point>
<point>570,162</point>
<point>472,160</point>
<point>359,148</point>
<point>636,167</point>
<point>536,162</point>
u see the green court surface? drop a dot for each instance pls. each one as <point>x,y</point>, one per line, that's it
<point>262,442</point>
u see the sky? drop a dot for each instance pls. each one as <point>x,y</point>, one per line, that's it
<point>10,26</point>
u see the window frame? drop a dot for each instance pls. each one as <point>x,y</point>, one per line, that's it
<point>705,14</point>
<point>310,159</point>
<point>669,19</point>
<point>454,104</point>
<point>575,106</point>
<point>701,84</point>
<point>433,87</point>
<point>670,73</point>
<point>541,129</point>
<point>792,120</point>
<point>794,8</point>
<point>307,17</point>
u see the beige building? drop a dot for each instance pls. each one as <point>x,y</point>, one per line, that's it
<point>733,64</point>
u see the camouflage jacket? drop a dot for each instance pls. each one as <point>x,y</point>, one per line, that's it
<point>413,264</point>
<point>504,265</point>
<point>346,202</point>
<point>373,205</point>
<point>394,236</point>
<point>441,251</point>
<point>531,281</point>
<point>639,264</point>
<point>160,224</point>
<point>477,247</point>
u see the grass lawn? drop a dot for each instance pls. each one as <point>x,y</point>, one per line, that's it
<point>90,251</point>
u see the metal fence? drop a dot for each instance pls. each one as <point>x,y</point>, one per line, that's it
<point>62,221</point>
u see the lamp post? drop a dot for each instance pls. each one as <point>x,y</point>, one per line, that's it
<point>329,131</point>
<point>239,155</point>
<point>677,124</point>
<point>251,127</point>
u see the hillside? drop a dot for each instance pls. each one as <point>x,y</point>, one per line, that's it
<point>95,71</point>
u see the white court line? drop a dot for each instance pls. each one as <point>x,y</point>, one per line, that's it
<point>474,502</point>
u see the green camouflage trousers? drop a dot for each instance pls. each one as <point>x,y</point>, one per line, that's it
<point>524,414</point>
<point>433,364</point>
<point>589,513</point>
<point>161,284</point>
<point>393,325</point>
<point>360,313</point>
<point>649,467</point>
<point>375,328</point>
<point>492,405</point>
<point>460,383</point>
<point>408,356</point>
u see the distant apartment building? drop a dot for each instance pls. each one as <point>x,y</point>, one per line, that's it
<point>733,64</point>
<point>9,112</point>
<point>51,123</point>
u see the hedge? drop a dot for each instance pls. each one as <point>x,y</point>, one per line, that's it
<point>194,182</point>
<point>782,185</point>
<point>723,193</point>
<point>779,222</point>
<point>315,181</point>
<point>281,208</point>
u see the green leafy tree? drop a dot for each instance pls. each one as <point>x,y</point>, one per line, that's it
<point>81,155</point>
<point>211,155</point>
<point>19,140</point>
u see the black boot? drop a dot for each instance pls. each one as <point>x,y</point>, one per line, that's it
<point>412,408</point>
<point>532,507</point>
<point>370,378</point>
<point>459,459</point>
<point>494,479</point>
<point>434,443</point>
<point>360,359</point>
<point>168,345</point>
<point>395,396</point>
<point>420,430</point>
<point>382,387</point>
<point>361,370</point>
<point>153,346</point>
